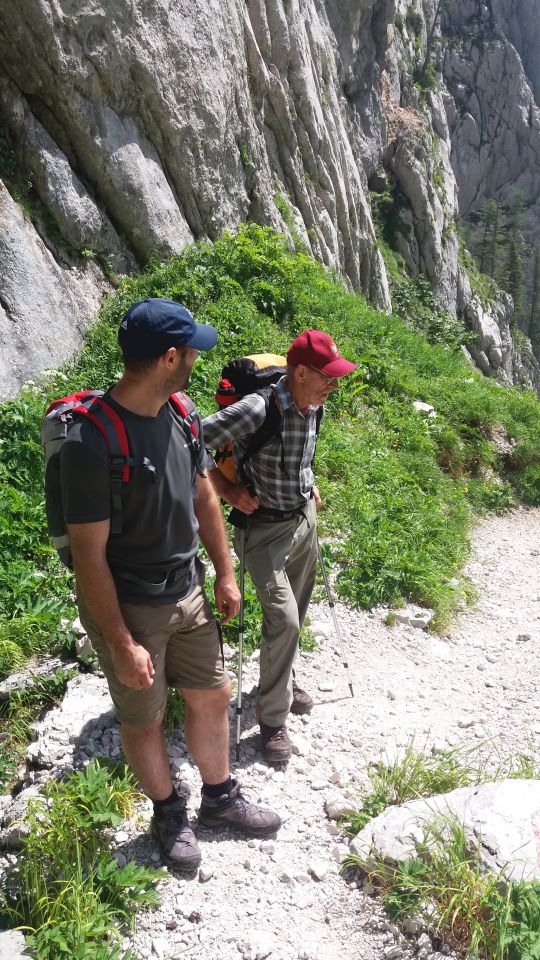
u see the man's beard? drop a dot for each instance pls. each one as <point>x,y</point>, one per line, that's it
<point>179,381</point>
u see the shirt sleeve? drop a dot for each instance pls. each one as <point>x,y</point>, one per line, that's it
<point>86,484</point>
<point>239,420</point>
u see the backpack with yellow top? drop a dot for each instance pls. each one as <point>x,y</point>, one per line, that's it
<point>256,373</point>
<point>239,378</point>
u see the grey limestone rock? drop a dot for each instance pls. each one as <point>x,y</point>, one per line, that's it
<point>502,818</point>
<point>12,945</point>
<point>144,126</point>
<point>84,715</point>
<point>44,306</point>
<point>15,826</point>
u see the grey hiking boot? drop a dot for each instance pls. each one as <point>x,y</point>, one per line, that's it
<point>302,702</point>
<point>276,746</point>
<point>177,842</point>
<point>233,810</point>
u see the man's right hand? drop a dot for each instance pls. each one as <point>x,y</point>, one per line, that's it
<point>240,497</point>
<point>133,666</point>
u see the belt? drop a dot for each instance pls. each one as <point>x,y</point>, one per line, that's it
<point>152,588</point>
<point>269,515</point>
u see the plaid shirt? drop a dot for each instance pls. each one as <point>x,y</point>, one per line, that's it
<point>276,488</point>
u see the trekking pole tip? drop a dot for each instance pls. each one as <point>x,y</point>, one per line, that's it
<point>238,753</point>
<point>351,689</point>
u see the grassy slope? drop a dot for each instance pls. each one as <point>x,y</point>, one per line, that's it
<point>399,487</point>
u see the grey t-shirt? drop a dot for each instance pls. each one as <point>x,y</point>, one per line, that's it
<point>159,527</point>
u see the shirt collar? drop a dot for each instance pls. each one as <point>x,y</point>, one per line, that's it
<point>285,396</point>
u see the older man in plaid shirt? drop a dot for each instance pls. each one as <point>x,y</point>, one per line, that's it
<point>280,501</point>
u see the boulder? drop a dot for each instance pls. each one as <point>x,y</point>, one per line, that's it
<point>503,818</point>
<point>45,307</point>
<point>12,945</point>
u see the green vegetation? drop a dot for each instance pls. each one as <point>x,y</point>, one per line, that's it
<point>399,487</point>
<point>18,715</point>
<point>414,774</point>
<point>445,884</point>
<point>481,284</point>
<point>414,20</point>
<point>283,204</point>
<point>66,890</point>
<point>468,907</point>
<point>17,182</point>
<point>414,302</point>
<point>245,157</point>
<point>503,259</point>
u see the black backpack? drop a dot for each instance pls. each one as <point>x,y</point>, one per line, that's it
<point>239,378</point>
<point>57,422</point>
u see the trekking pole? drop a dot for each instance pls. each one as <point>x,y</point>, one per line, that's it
<point>240,642</point>
<point>334,617</point>
<point>239,520</point>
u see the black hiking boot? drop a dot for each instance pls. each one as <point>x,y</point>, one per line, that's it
<point>233,810</point>
<point>302,702</point>
<point>177,842</point>
<point>276,746</point>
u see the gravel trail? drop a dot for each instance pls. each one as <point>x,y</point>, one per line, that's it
<point>284,898</point>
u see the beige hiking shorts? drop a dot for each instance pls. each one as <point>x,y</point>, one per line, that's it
<point>183,640</point>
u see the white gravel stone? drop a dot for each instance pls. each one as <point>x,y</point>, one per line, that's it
<point>318,869</point>
<point>337,807</point>
<point>321,628</point>
<point>160,947</point>
<point>393,953</point>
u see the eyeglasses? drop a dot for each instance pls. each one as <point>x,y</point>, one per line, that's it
<point>324,375</point>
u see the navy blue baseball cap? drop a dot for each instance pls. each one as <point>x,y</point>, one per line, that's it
<point>153,325</point>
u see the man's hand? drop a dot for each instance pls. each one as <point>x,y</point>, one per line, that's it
<point>317,497</point>
<point>227,597</point>
<point>133,666</point>
<point>241,498</point>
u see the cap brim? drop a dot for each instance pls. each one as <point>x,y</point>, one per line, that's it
<point>204,338</point>
<point>339,368</point>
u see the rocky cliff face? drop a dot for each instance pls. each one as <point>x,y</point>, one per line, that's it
<point>140,126</point>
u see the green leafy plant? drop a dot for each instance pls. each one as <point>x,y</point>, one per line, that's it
<point>175,713</point>
<point>66,889</point>
<point>19,713</point>
<point>413,774</point>
<point>471,908</point>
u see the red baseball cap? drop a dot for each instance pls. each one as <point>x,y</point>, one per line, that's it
<point>316,349</point>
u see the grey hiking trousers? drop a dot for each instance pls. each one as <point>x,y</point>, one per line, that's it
<point>281,557</point>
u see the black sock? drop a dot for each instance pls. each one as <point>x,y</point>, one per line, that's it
<point>158,804</point>
<point>217,789</point>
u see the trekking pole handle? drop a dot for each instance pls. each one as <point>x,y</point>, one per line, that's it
<point>236,517</point>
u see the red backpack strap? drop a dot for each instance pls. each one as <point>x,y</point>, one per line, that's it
<point>72,400</point>
<point>111,426</point>
<point>99,412</point>
<point>191,423</point>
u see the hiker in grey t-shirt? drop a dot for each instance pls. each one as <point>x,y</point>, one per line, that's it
<point>280,500</point>
<point>140,591</point>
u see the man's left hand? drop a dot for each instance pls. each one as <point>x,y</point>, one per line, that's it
<point>227,597</point>
<point>317,497</point>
